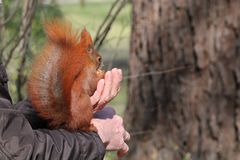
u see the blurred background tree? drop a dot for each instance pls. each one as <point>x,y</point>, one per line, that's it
<point>192,113</point>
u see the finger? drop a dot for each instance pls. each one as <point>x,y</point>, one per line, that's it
<point>126,136</point>
<point>115,82</point>
<point>123,151</point>
<point>107,88</point>
<point>97,94</point>
<point>120,74</point>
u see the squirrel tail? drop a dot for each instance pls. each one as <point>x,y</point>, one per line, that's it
<point>60,33</point>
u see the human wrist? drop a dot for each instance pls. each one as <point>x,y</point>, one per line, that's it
<point>100,130</point>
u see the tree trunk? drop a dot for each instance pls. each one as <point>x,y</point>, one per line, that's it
<point>189,114</point>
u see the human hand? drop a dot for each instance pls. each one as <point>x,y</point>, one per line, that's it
<point>111,131</point>
<point>107,89</point>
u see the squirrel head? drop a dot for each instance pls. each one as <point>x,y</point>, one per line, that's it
<point>61,34</point>
<point>87,46</point>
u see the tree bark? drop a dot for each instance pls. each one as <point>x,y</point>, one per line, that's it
<point>194,113</point>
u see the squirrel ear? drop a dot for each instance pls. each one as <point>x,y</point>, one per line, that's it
<point>85,37</point>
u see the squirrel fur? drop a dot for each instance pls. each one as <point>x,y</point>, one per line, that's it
<point>64,76</point>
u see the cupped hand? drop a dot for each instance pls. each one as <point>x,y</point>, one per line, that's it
<point>107,89</point>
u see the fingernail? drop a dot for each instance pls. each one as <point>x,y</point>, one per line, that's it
<point>120,71</point>
<point>115,70</point>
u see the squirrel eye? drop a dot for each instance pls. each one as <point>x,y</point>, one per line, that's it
<point>90,49</point>
<point>99,59</point>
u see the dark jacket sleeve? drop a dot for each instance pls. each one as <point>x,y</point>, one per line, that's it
<point>19,141</point>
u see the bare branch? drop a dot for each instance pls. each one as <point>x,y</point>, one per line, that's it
<point>105,20</point>
<point>15,46</point>
<point>120,38</point>
<point>105,27</point>
<point>13,13</point>
<point>28,12</point>
<point>25,26</point>
<point>10,41</point>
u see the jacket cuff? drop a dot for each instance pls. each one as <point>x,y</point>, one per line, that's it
<point>100,145</point>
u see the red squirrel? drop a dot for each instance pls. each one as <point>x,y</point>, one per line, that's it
<point>64,76</point>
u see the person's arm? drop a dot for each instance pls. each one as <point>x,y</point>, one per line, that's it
<point>19,141</point>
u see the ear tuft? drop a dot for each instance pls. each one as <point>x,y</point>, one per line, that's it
<point>86,38</point>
